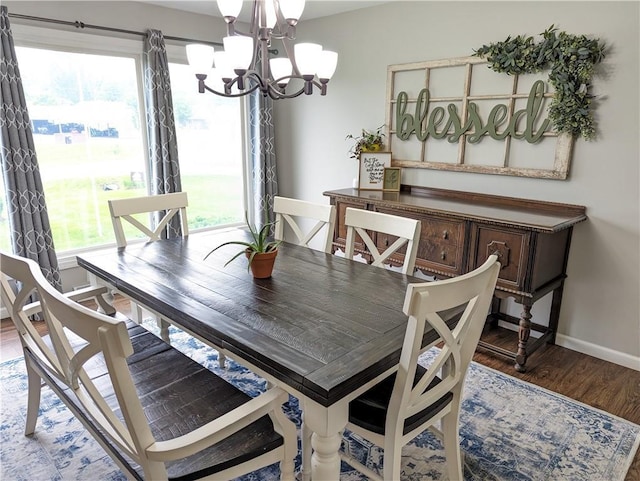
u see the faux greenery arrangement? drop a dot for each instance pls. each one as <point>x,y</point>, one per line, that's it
<point>571,59</point>
<point>259,245</point>
<point>368,141</point>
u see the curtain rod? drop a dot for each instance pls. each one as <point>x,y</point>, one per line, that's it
<point>81,25</point>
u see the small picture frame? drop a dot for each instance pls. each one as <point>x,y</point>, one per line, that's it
<point>371,172</point>
<point>391,179</point>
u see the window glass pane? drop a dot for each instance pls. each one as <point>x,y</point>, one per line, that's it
<point>84,110</point>
<point>209,131</point>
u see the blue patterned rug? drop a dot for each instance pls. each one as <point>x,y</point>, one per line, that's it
<point>510,430</point>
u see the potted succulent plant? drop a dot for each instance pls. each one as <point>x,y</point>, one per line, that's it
<point>261,251</point>
<point>368,141</point>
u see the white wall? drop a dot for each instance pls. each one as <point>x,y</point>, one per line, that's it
<point>600,306</point>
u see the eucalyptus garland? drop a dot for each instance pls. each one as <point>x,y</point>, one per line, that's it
<point>571,60</point>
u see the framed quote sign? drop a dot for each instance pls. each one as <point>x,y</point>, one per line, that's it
<point>371,172</point>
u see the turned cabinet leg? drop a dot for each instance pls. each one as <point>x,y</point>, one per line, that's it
<point>523,336</point>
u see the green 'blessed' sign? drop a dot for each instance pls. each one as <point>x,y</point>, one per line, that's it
<point>454,127</point>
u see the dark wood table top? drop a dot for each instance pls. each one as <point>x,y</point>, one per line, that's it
<point>321,324</point>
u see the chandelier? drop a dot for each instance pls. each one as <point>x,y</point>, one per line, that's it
<point>244,65</point>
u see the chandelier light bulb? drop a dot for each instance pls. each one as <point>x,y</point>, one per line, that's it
<point>307,57</point>
<point>292,9</point>
<point>239,51</point>
<point>223,67</point>
<point>230,8</point>
<point>200,57</point>
<point>328,61</point>
<point>281,67</point>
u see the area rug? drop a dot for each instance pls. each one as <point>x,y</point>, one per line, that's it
<point>510,430</point>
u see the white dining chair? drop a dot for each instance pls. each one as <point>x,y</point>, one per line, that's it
<point>164,206</point>
<point>414,398</point>
<point>292,212</point>
<point>150,216</point>
<point>407,231</point>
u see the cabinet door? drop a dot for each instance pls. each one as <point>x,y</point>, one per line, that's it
<point>512,248</point>
<point>441,247</point>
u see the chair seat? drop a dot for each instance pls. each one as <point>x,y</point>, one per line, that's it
<point>179,395</point>
<point>369,410</point>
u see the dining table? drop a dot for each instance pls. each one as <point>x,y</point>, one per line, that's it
<point>322,327</point>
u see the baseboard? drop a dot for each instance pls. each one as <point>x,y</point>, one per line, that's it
<point>604,353</point>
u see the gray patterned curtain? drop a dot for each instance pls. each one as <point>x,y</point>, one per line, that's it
<point>163,146</point>
<point>27,212</point>
<point>263,155</point>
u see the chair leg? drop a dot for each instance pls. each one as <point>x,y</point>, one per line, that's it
<point>33,399</point>
<point>392,461</point>
<point>452,445</point>
<point>305,435</point>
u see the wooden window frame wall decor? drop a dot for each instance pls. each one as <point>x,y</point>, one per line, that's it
<point>537,98</point>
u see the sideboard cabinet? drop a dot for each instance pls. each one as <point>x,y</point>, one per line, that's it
<point>459,230</point>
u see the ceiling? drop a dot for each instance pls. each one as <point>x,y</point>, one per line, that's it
<point>312,9</point>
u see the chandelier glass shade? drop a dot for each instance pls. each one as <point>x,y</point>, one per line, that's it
<point>244,65</point>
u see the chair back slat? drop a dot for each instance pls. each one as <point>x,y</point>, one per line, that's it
<point>292,212</point>
<point>407,231</point>
<point>167,206</point>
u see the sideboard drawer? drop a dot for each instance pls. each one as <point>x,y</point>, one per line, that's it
<point>511,246</point>
<point>438,256</point>
<point>444,231</point>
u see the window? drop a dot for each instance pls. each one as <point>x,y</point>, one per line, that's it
<point>85,115</point>
<point>209,132</point>
<point>89,133</point>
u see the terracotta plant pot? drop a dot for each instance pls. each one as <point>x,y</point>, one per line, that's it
<point>262,264</point>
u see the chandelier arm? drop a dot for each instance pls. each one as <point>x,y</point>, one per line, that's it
<point>224,94</point>
<point>288,49</point>
<point>276,94</point>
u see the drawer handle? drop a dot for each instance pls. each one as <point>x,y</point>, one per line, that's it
<point>443,255</point>
<point>445,235</point>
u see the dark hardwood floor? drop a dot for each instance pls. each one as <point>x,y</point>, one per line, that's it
<point>589,380</point>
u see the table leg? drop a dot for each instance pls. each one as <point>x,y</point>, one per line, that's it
<point>327,424</point>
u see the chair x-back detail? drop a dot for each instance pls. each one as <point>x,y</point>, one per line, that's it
<point>400,407</point>
<point>124,210</point>
<point>291,212</point>
<point>407,231</point>
<point>140,397</point>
